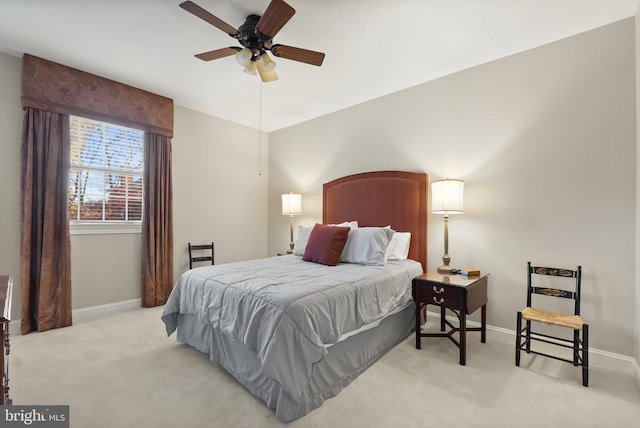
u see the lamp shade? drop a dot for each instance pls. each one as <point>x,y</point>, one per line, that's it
<point>291,204</point>
<point>267,63</point>
<point>244,56</point>
<point>266,76</point>
<point>250,68</point>
<point>447,196</point>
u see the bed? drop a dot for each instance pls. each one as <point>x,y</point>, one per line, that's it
<point>294,332</point>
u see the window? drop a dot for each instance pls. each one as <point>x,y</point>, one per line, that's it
<point>105,176</point>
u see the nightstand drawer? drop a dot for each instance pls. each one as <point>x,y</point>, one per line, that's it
<point>438,294</point>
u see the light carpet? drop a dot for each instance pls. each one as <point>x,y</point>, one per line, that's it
<point>123,371</point>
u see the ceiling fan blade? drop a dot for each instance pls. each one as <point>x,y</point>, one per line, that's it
<point>298,54</point>
<point>218,53</point>
<point>190,6</point>
<point>277,14</point>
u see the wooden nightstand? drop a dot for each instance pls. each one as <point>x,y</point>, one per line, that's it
<point>462,295</point>
<point>6,286</point>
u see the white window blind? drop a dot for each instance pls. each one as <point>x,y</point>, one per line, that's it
<point>105,176</point>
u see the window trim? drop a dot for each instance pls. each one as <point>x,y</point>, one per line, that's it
<point>104,227</point>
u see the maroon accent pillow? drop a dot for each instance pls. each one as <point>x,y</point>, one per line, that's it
<point>325,244</point>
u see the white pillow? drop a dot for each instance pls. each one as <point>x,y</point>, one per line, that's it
<point>367,246</point>
<point>351,224</point>
<point>398,248</point>
<point>301,240</point>
<point>304,232</point>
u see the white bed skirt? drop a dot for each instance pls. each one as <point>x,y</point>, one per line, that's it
<point>345,361</point>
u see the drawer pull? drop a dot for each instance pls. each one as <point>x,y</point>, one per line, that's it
<point>440,301</point>
<point>441,290</point>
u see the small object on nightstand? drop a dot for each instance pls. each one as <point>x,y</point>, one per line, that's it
<point>470,272</point>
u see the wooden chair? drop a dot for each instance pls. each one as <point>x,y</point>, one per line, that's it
<point>524,336</point>
<point>200,249</point>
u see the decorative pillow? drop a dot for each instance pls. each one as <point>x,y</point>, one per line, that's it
<point>304,231</point>
<point>398,248</point>
<point>367,245</point>
<point>325,244</point>
<point>301,241</point>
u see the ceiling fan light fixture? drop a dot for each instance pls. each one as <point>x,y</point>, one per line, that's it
<point>266,76</point>
<point>267,63</point>
<point>256,37</point>
<point>251,67</point>
<point>244,56</point>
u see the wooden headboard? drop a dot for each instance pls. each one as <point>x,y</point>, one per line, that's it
<point>381,198</point>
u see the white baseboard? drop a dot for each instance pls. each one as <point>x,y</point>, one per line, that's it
<point>91,313</point>
<point>597,357</point>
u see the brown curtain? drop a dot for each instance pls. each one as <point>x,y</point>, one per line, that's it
<point>45,246</point>
<point>56,88</point>
<point>157,222</point>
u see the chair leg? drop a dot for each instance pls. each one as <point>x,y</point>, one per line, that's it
<point>518,337</point>
<point>576,346</point>
<point>528,334</point>
<point>585,355</point>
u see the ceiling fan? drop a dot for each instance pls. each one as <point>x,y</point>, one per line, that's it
<point>256,35</point>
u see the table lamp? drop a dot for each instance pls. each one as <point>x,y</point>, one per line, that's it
<point>291,205</point>
<point>447,198</point>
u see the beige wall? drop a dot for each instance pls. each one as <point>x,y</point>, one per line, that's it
<point>220,176</point>
<point>218,195</point>
<point>546,142</point>
<point>104,269</point>
<point>10,132</point>
<point>637,270</point>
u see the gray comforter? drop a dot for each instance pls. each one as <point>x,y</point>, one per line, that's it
<point>288,311</point>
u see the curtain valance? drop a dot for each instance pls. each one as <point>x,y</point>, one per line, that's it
<point>53,87</point>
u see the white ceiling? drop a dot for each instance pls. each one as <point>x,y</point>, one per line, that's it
<point>373,47</point>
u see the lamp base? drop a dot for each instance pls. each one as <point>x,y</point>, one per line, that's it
<point>446,269</point>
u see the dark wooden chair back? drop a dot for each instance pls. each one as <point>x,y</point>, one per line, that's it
<point>574,293</point>
<point>207,249</point>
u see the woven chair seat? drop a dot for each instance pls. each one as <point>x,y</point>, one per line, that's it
<point>555,318</point>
